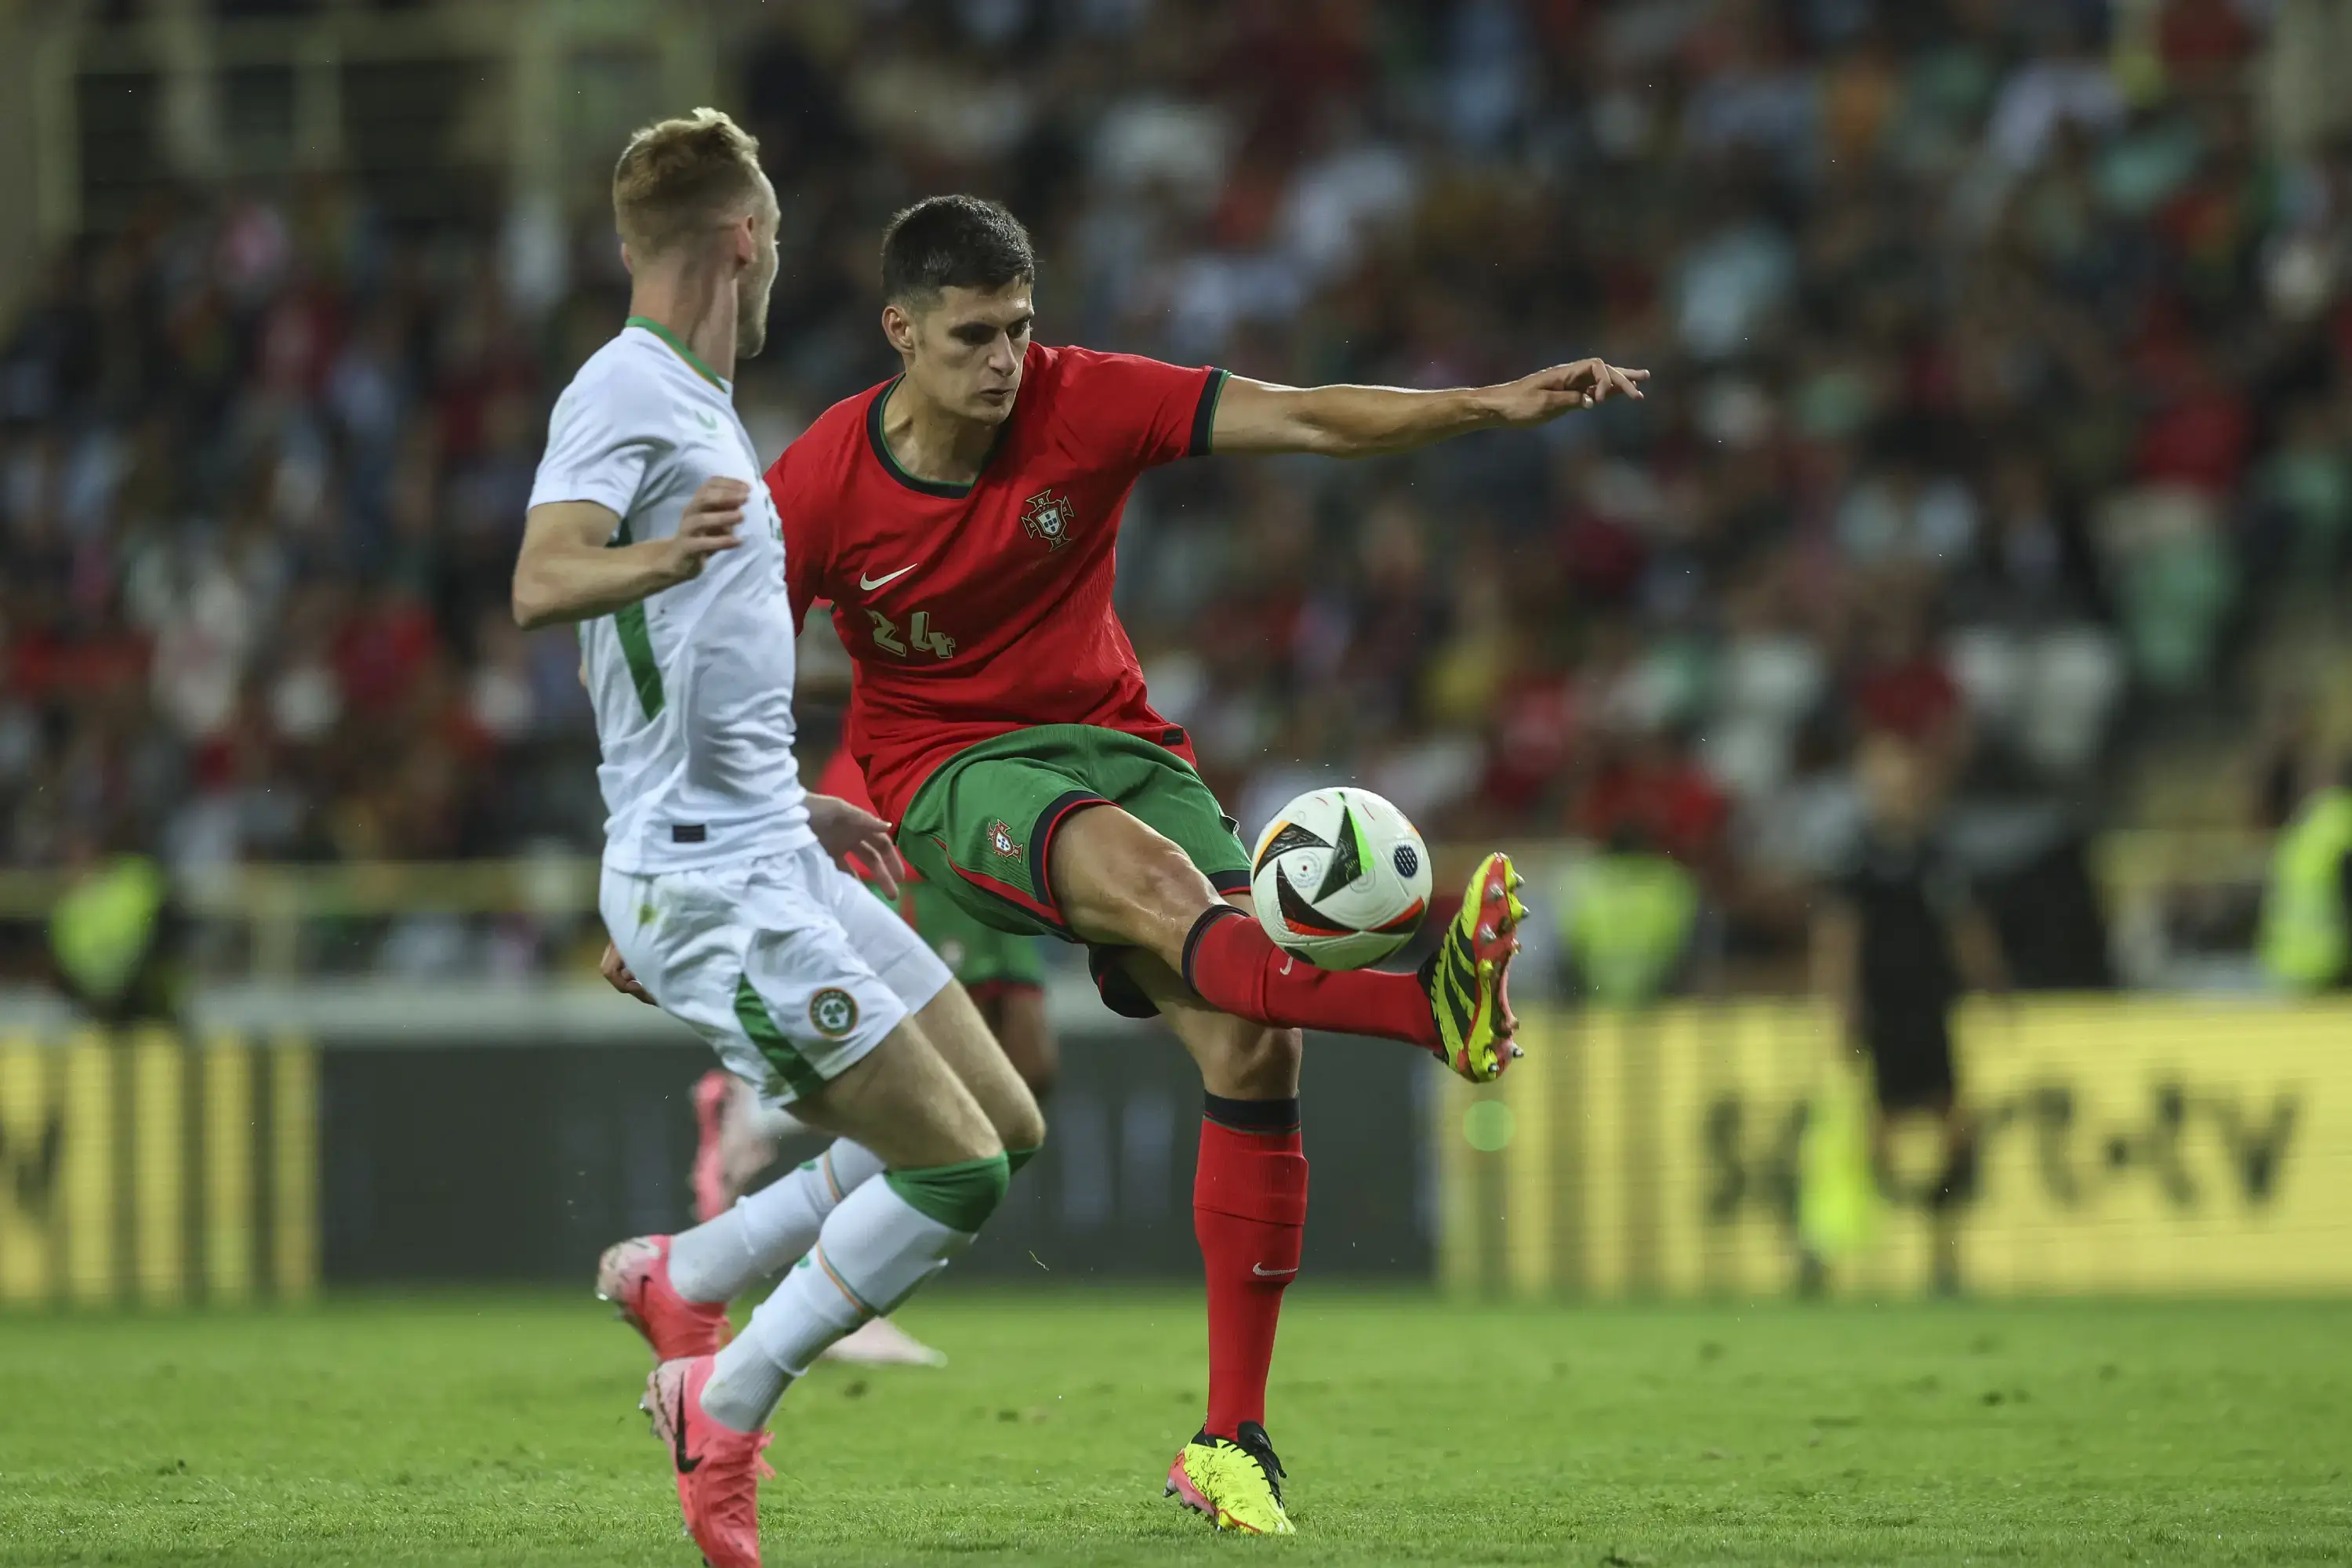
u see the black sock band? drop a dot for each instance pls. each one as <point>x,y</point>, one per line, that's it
<point>1209,917</point>
<point>1252,1115</point>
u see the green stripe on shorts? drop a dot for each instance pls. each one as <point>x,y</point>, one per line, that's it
<point>753,1013</point>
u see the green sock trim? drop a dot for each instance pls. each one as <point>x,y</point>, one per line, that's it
<point>959,1197</point>
<point>1016,1158</point>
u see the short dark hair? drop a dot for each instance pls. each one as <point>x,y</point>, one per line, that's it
<point>953,242</point>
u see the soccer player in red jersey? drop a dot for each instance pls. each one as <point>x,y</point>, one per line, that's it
<point>962,520</point>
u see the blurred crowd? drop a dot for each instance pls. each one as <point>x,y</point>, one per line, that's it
<point>1998,379</point>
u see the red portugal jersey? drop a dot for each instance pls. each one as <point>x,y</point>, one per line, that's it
<point>841,780</point>
<point>972,610</point>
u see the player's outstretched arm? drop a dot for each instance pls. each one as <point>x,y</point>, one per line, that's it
<point>570,571</point>
<point>1371,421</point>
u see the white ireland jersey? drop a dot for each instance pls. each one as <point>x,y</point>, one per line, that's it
<point>693,686</point>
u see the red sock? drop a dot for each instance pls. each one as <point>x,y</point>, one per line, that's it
<point>1249,1210</point>
<point>1237,968</point>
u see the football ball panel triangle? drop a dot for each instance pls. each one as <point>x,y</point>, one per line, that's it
<point>1367,867</point>
<point>1298,917</point>
<point>1348,861</point>
<point>1285,837</point>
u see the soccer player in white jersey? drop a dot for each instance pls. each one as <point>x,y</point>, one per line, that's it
<point>722,891</point>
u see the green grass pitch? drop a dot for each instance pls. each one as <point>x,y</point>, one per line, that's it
<point>502,1429</point>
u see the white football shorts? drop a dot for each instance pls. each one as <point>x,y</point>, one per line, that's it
<point>788,965</point>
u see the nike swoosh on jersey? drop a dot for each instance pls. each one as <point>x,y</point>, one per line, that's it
<point>869,584</point>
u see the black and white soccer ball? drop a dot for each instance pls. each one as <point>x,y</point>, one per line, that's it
<point>1341,877</point>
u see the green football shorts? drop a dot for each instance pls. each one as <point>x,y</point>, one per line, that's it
<point>987,960</point>
<point>979,828</point>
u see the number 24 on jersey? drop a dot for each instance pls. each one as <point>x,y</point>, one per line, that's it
<point>919,637</point>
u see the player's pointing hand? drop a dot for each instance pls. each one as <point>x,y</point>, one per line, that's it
<point>707,526</point>
<point>1564,388</point>
<point>846,831</point>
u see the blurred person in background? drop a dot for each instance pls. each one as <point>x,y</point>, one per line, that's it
<point>1897,936</point>
<point>114,938</point>
<point>2305,941</point>
<point>1627,916</point>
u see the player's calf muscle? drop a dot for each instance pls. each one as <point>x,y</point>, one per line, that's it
<point>1238,1059</point>
<point>1118,881</point>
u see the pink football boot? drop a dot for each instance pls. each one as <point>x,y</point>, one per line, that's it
<point>633,1275</point>
<point>718,1470</point>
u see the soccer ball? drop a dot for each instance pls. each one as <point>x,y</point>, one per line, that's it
<point>1341,877</point>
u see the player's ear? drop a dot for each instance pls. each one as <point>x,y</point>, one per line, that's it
<point>897,328</point>
<point>628,262</point>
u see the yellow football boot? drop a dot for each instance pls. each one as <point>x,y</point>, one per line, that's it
<point>1235,1481</point>
<point>1465,976</point>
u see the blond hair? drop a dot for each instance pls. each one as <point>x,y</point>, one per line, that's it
<point>680,176</point>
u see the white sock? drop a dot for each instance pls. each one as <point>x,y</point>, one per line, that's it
<point>875,1248</point>
<point>767,1229</point>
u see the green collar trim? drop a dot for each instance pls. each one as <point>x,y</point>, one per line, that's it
<point>890,465</point>
<point>678,347</point>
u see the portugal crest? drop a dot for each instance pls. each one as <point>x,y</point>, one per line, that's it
<point>1048,517</point>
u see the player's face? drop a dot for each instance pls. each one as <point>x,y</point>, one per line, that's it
<point>967,349</point>
<point>755,282</point>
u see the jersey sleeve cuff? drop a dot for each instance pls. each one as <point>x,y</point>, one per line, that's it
<point>1204,413</point>
<point>613,496</point>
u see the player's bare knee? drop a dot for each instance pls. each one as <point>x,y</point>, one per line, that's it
<point>1020,1121</point>
<point>1171,884</point>
<point>1022,1129</point>
<point>960,1131</point>
<point>1125,876</point>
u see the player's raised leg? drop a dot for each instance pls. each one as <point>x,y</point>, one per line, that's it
<point>1117,881</point>
<point>1249,1215</point>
